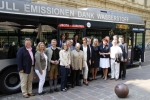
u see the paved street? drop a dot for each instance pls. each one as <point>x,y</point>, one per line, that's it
<point>138,81</point>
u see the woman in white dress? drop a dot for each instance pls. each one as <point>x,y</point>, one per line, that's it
<point>87,59</point>
<point>104,58</point>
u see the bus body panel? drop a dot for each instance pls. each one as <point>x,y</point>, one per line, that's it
<point>7,62</point>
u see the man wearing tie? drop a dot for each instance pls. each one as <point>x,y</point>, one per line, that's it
<point>123,64</point>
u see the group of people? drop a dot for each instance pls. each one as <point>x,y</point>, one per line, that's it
<point>72,58</point>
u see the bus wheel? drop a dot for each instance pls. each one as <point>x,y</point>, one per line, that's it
<point>10,81</point>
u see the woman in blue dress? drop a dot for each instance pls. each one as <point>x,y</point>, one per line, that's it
<point>104,57</point>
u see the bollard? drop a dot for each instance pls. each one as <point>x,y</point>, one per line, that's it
<point>140,62</point>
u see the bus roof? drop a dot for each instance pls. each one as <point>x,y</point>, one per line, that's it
<point>90,14</point>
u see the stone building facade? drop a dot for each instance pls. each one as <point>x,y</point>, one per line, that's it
<point>139,7</point>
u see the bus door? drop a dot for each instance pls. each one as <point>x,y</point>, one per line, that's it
<point>138,45</point>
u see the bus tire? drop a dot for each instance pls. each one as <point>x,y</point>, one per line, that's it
<point>10,81</point>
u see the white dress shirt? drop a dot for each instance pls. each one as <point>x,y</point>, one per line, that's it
<point>85,53</point>
<point>46,60</point>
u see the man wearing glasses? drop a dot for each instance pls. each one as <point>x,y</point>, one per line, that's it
<point>25,61</point>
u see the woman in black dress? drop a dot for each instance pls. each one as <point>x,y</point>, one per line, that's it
<point>95,58</point>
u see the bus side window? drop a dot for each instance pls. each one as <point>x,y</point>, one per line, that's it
<point>12,51</point>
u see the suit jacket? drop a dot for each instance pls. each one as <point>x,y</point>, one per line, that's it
<point>88,53</point>
<point>49,53</point>
<point>106,49</point>
<point>90,47</point>
<point>77,59</point>
<point>24,60</point>
<point>40,61</point>
<point>124,49</point>
<point>119,57</point>
<point>109,44</point>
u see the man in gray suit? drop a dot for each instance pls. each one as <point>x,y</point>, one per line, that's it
<point>123,64</point>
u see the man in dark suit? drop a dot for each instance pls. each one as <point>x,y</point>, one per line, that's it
<point>89,66</point>
<point>123,64</point>
<point>25,61</point>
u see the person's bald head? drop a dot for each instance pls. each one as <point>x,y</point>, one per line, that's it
<point>77,46</point>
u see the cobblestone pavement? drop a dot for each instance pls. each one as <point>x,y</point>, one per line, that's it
<point>138,81</point>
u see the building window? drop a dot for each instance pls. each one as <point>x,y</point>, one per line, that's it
<point>145,2</point>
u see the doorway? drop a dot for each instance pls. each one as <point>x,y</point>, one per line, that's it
<point>138,46</point>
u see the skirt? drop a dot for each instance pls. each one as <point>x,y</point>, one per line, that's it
<point>104,63</point>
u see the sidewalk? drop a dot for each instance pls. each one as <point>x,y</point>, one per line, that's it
<point>138,81</point>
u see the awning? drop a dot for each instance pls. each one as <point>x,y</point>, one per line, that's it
<point>92,14</point>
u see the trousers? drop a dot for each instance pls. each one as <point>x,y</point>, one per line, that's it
<point>123,69</point>
<point>41,80</point>
<point>85,70</point>
<point>26,82</point>
<point>89,71</point>
<point>64,76</point>
<point>76,77</point>
<point>115,69</point>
